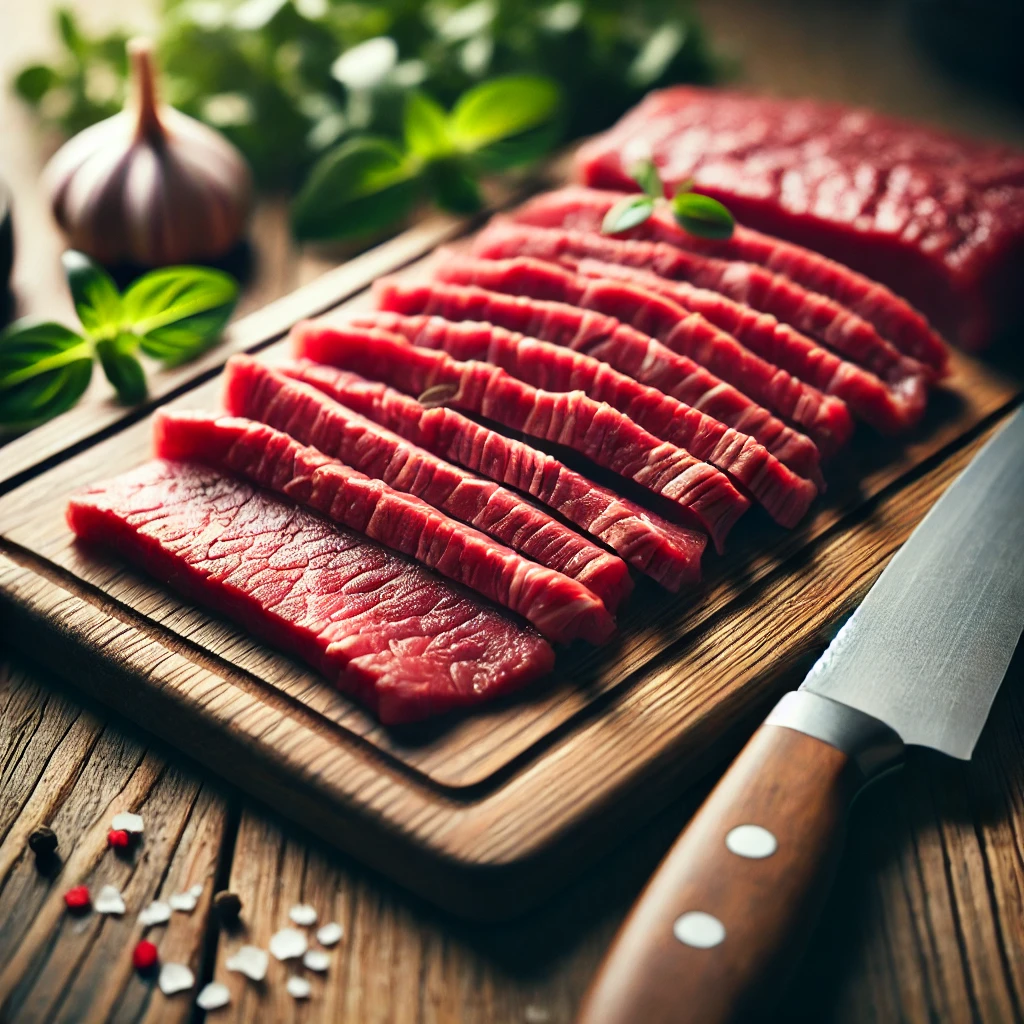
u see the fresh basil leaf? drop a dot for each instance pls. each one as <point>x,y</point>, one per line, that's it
<point>97,301</point>
<point>702,216</point>
<point>178,312</point>
<point>686,185</point>
<point>656,55</point>
<point>44,369</point>
<point>70,34</point>
<point>627,213</point>
<point>122,367</point>
<point>426,126</point>
<point>364,185</point>
<point>35,81</point>
<point>501,108</point>
<point>520,150</point>
<point>454,188</point>
<point>646,175</point>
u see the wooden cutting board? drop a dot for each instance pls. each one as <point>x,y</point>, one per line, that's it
<point>482,814</point>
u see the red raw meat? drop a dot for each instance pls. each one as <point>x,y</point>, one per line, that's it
<point>387,631</point>
<point>561,608</point>
<point>628,350</point>
<point>595,430</point>
<point>939,218</point>
<point>893,405</point>
<point>785,495</point>
<point>254,390</point>
<point>826,420</point>
<point>665,551</point>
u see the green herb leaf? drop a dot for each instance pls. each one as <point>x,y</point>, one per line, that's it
<point>44,369</point>
<point>33,82</point>
<point>364,185</point>
<point>69,32</point>
<point>627,213</point>
<point>122,367</point>
<point>454,188</point>
<point>702,216</point>
<point>97,301</point>
<point>646,175</point>
<point>426,126</point>
<point>178,312</point>
<point>502,108</point>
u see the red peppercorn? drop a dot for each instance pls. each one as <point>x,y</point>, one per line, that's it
<point>78,898</point>
<point>144,956</point>
<point>118,838</point>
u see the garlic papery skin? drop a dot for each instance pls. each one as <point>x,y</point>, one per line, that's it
<point>149,185</point>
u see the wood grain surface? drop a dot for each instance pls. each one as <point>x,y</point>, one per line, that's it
<point>924,921</point>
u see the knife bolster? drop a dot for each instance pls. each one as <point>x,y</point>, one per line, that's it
<point>871,744</point>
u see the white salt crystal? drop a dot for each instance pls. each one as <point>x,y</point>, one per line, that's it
<point>303,913</point>
<point>175,978</point>
<point>298,988</point>
<point>288,944</point>
<point>197,890</point>
<point>127,822</point>
<point>109,901</point>
<point>183,901</point>
<point>329,934</point>
<point>156,913</point>
<point>213,997</point>
<point>316,960</point>
<point>250,961</point>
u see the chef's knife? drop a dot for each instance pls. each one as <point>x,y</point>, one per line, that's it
<point>919,663</point>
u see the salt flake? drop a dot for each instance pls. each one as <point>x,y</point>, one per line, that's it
<point>157,912</point>
<point>127,822</point>
<point>213,997</point>
<point>303,913</point>
<point>250,961</point>
<point>288,944</point>
<point>298,988</point>
<point>329,934</point>
<point>184,901</point>
<point>109,901</point>
<point>175,978</point>
<point>197,890</point>
<point>316,960</point>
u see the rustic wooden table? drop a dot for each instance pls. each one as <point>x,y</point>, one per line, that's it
<point>926,919</point>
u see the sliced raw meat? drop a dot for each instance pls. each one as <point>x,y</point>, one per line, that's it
<point>939,218</point>
<point>826,420</point>
<point>613,342</point>
<point>753,285</point>
<point>383,629</point>
<point>785,495</point>
<point>665,551</point>
<point>258,392</point>
<point>560,607</point>
<point>593,429</point>
<point>893,405</point>
<point>582,209</point>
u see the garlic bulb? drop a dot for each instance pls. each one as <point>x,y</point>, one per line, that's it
<point>149,185</point>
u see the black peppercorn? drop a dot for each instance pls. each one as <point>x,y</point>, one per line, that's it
<point>43,842</point>
<point>228,907</point>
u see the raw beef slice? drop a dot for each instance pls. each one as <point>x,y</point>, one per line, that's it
<point>383,629</point>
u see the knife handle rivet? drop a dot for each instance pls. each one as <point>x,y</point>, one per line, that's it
<point>697,929</point>
<point>751,841</point>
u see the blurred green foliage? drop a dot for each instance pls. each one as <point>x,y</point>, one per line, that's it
<point>288,80</point>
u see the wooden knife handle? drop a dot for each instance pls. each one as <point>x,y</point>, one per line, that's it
<point>711,937</point>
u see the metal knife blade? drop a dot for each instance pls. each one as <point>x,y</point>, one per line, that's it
<point>929,646</point>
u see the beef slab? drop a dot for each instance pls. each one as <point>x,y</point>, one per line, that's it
<point>559,607</point>
<point>383,629</point>
<point>892,402</point>
<point>254,390</point>
<point>824,419</point>
<point>939,218</point>
<point>698,491</point>
<point>785,495</point>
<point>667,552</point>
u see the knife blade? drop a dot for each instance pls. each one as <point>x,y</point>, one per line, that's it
<point>919,663</point>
